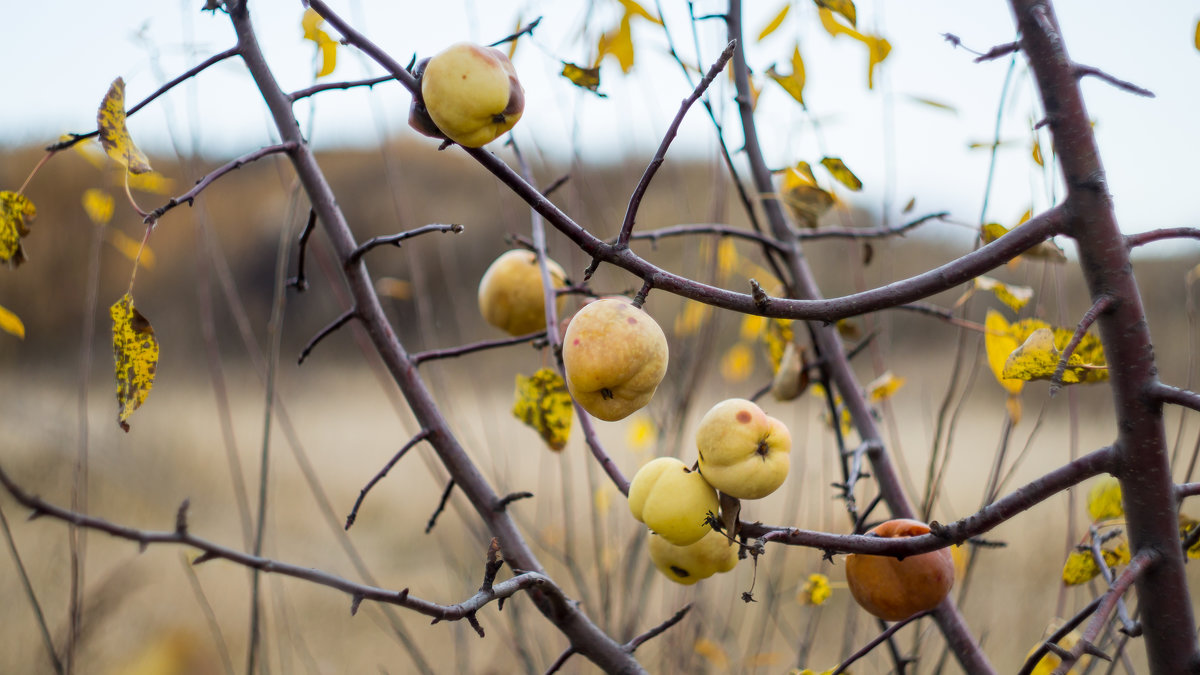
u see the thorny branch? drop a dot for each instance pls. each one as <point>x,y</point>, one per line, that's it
<point>318,88</point>
<point>326,332</point>
<point>362,494</point>
<point>212,176</point>
<point>395,239</point>
<point>418,358</point>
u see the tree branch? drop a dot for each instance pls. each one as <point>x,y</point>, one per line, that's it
<point>451,352</point>
<point>316,89</point>
<point>638,641</point>
<point>876,641</point>
<point>1143,238</point>
<point>362,494</point>
<point>867,232</point>
<point>1168,394</point>
<point>395,240</point>
<point>190,195</point>
<point>1085,71</point>
<point>326,332</point>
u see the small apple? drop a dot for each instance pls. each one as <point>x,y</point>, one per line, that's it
<point>510,292</point>
<point>743,452</point>
<point>688,564</point>
<point>470,93</point>
<point>672,501</point>
<point>614,355</point>
<point>894,589</point>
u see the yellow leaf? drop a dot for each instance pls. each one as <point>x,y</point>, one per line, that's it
<point>816,590</point>
<point>991,232</point>
<point>878,49</point>
<point>1047,250</point>
<point>130,248</point>
<point>11,323</point>
<point>934,104</point>
<point>586,78</point>
<point>135,350</point>
<point>1015,297</point>
<point>961,555</point>
<point>805,171</point>
<point>831,25</point>
<point>1038,355</point>
<point>843,174</point>
<point>999,343</point>
<point>1104,499</point>
<point>542,402</point>
<point>393,288</point>
<point>99,205</point>
<point>693,316</point>
<point>805,201</point>
<point>737,363</point>
<point>1025,216</point>
<point>1080,568</point>
<point>843,7</point>
<point>1197,35</point>
<point>642,433</point>
<point>1037,153</point>
<point>1118,555</point>
<point>777,336</point>
<point>1048,663</point>
<point>727,257</point>
<point>114,135</point>
<point>310,21</point>
<point>884,386</point>
<point>794,83</point>
<point>1036,358</point>
<point>712,652</point>
<point>775,22</point>
<point>618,43</point>
<point>1186,525</point>
<point>752,326</point>
<point>152,182</point>
<point>328,49</point>
<point>16,212</point>
<point>633,9</point>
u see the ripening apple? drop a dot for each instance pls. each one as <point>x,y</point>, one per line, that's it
<point>471,93</point>
<point>510,292</point>
<point>615,355</point>
<point>894,589</point>
<point>672,500</point>
<point>744,453</point>
<point>688,564</point>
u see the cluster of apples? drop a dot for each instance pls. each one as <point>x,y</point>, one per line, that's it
<point>743,453</point>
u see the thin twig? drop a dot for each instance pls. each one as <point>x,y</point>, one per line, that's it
<point>878,640</point>
<point>1086,71</point>
<point>868,232</point>
<point>527,30</point>
<point>318,88</point>
<point>44,631</point>
<point>706,228</point>
<point>999,51</point>
<point>638,641</point>
<point>639,191</point>
<point>326,331</point>
<point>212,176</point>
<point>362,494</point>
<point>212,60</point>
<point>560,661</point>
<point>210,617</point>
<point>395,239</point>
<point>300,281</point>
<point>418,358</point>
<point>1142,238</point>
<point>440,507</point>
<point>1098,307</point>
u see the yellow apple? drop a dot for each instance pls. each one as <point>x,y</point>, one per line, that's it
<point>688,564</point>
<point>743,452</point>
<point>471,93</point>
<point>615,356</point>
<point>510,292</point>
<point>672,501</point>
<point>894,589</point>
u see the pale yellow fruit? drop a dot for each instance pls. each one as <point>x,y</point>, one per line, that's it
<point>471,93</point>
<point>744,453</point>
<point>688,564</point>
<point>510,292</point>
<point>672,501</point>
<point>615,355</point>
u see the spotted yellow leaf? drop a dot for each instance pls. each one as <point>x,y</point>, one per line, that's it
<point>135,350</point>
<point>1046,250</point>
<point>16,212</point>
<point>838,169</point>
<point>584,78</point>
<point>1186,525</point>
<point>1104,499</point>
<point>775,23</point>
<point>1039,353</point>
<point>999,342</point>
<point>884,386</point>
<point>1015,297</point>
<point>792,83</point>
<point>543,403</point>
<point>11,323</point>
<point>114,135</point>
<point>816,590</point>
<point>98,205</point>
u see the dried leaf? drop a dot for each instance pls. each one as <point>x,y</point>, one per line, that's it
<point>114,135</point>
<point>1197,40</point>
<point>804,200</point>
<point>135,350</point>
<point>1015,297</point>
<point>310,22</point>
<point>775,22</point>
<point>999,343</point>
<point>843,7</point>
<point>838,169</point>
<point>738,363</point>
<point>11,323</point>
<point>1037,153</point>
<point>816,590</point>
<point>1104,499</point>
<point>16,212</point>
<point>806,170</point>
<point>543,403</point>
<point>99,205</point>
<point>793,84</point>
<point>791,377</point>
<point>585,78</point>
<point>884,386</point>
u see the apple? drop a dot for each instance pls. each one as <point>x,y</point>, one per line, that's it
<point>894,589</point>
<point>688,564</point>
<point>615,355</point>
<point>672,500</point>
<point>744,453</point>
<point>470,93</point>
<point>510,292</point>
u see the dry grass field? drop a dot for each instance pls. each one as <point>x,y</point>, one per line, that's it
<point>339,419</point>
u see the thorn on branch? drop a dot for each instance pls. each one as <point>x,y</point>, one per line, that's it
<point>503,502</point>
<point>203,558</point>
<point>1081,72</point>
<point>395,240</point>
<point>558,182</point>
<point>300,282</point>
<point>355,601</point>
<point>440,507</point>
<point>181,525</point>
<point>998,51</point>
<point>527,30</point>
<point>326,331</point>
<point>474,622</point>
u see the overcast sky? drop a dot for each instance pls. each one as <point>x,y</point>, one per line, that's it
<point>62,55</point>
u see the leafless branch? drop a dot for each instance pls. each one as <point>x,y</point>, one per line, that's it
<point>300,281</point>
<point>1141,561</point>
<point>877,640</point>
<point>316,89</point>
<point>1129,627</point>
<point>1036,655</point>
<point>638,641</point>
<point>1168,394</point>
<point>1143,238</point>
<point>362,494</point>
<point>1085,71</point>
<point>395,239</point>
<point>440,507</point>
<point>451,352</point>
<point>327,331</point>
<point>706,228</point>
<point>212,176</point>
<point>867,232</point>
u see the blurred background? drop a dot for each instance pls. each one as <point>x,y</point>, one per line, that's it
<point>210,290</point>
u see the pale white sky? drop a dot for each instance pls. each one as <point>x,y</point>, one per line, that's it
<point>62,56</point>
